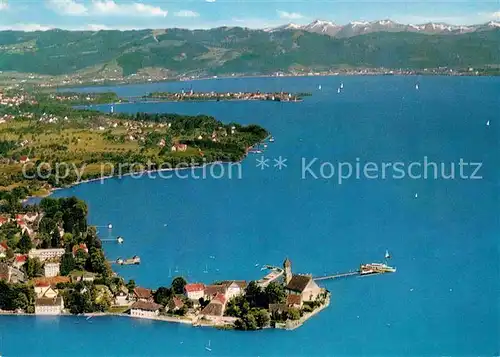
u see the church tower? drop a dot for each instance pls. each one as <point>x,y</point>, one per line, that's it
<point>287,267</point>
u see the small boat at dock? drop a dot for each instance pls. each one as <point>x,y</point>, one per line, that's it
<point>135,260</point>
<point>271,139</point>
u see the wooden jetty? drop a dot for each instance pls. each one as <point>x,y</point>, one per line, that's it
<point>336,276</point>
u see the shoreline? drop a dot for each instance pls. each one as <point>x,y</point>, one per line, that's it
<point>174,80</point>
<point>142,172</point>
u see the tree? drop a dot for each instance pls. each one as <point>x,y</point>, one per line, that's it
<point>254,294</point>
<point>178,285</point>
<point>293,314</point>
<point>262,318</point>
<point>249,322</point>
<point>131,285</point>
<point>97,261</point>
<point>275,293</point>
<point>67,263</point>
<point>24,244</point>
<point>55,239</point>
<point>33,267</point>
<point>80,259</point>
<point>163,295</point>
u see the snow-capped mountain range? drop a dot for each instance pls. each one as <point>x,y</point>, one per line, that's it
<point>361,27</point>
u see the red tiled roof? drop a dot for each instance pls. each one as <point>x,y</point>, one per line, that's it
<point>298,283</point>
<point>294,299</point>
<point>81,246</point>
<point>220,298</point>
<point>177,302</point>
<point>3,219</point>
<point>149,306</point>
<point>41,284</point>
<point>213,309</point>
<point>211,290</point>
<point>4,245</point>
<point>142,293</point>
<point>21,258</point>
<point>190,288</point>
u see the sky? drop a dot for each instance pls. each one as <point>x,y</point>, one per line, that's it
<point>31,15</point>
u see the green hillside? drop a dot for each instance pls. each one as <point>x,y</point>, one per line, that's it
<point>238,50</point>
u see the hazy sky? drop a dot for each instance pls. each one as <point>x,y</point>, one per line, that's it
<point>132,14</point>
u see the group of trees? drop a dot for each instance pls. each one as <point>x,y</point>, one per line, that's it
<point>11,200</point>
<point>85,297</point>
<point>17,296</point>
<point>69,213</point>
<point>164,295</point>
<point>252,307</point>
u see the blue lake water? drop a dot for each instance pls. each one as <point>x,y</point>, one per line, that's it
<point>444,298</point>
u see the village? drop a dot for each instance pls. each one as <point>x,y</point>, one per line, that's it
<point>191,95</point>
<point>280,299</point>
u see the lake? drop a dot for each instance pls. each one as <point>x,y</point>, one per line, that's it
<point>442,233</point>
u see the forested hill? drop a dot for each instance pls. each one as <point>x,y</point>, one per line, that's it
<point>238,50</point>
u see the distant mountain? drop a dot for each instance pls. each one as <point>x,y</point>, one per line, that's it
<point>320,45</point>
<point>363,27</point>
<point>323,27</point>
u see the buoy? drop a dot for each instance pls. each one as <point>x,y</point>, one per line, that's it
<point>110,226</point>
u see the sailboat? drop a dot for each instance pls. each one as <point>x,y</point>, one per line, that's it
<point>488,123</point>
<point>341,85</point>
<point>416,195</point>
<point>208,348</point>
<point>319,87</point>
<point>416,86</point>
<point>387,255</point>
<point>338,90</point>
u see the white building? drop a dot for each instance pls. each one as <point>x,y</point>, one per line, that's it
<point>234,288</point>
<point>45,254</point>
<point>51,269</point>
<point>121,297</point>
<point>43,290</point>
<point>194,291</point>
<point>145,310</point>
<point>49,306</point>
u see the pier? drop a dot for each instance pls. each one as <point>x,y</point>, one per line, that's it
<point>337,276</point>
<point>275,274</point>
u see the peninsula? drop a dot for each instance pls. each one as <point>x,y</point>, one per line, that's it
<point>41,132</point>
<point>225,96</point>
<point>52,263</point>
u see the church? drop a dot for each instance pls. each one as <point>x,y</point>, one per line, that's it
<point>300,285</point>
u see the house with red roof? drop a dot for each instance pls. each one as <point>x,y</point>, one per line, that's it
<point>179,147</point>
<point>19,260</point>
<point>194,291</point>
<point>81,246</point>
<point>175,304</point>
<point>142,294</point>
<point>24,159</point>
<point>3,220</point>
<point>3,249</point>
<point>215,309</point>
